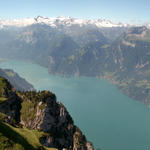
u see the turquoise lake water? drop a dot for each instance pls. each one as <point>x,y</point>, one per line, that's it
<point>108,118</point>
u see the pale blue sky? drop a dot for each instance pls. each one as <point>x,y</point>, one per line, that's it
<point>115,10</point>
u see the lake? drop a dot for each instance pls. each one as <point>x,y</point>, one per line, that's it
<point>108,118</point>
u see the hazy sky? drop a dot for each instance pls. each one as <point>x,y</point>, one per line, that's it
<point>115,10</point>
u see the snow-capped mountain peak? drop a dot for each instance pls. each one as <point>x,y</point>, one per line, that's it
<point>56,21</point>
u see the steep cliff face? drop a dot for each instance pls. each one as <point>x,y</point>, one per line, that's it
<point>125,62</point>
<point>41,112</point>
<point>132,66</point>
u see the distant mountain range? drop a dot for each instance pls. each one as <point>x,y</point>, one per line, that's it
<point>99,48</point>
<point>60,21</point>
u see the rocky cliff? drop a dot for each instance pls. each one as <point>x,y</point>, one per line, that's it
<point>39,112</point>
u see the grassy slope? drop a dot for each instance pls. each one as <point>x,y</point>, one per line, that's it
<point>12,138</point>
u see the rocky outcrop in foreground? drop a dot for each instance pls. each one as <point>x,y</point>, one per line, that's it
<point>39,111</point>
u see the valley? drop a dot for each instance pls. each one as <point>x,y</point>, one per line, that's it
<point>99,70</point>
<point>77,47</point>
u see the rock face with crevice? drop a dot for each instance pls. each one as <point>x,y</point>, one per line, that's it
<point>40,111</point>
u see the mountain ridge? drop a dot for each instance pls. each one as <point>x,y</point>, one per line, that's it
<point>61,20</point>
